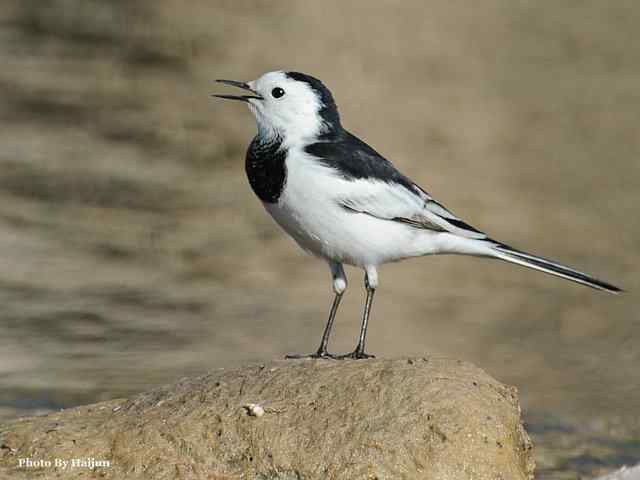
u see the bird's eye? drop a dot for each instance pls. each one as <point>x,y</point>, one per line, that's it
<point>277,92</point>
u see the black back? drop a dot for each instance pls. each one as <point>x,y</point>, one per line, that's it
<point>266,169</point>
<point>354,159</point>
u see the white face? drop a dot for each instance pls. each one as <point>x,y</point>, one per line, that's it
<point>289,108</point>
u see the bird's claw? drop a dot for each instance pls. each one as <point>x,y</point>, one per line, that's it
<point>316,355</point>
<point>356,355</point>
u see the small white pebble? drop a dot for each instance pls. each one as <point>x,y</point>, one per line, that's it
<point>254,409</point>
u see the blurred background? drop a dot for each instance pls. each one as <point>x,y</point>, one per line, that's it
<point>133,251</point>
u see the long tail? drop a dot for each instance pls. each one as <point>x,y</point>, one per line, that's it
<point>506,253</point>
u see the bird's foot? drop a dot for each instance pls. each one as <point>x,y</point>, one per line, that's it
<point>318,355</point>
<point>355,355</point>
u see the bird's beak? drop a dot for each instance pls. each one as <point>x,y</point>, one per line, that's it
<point>242,98</point>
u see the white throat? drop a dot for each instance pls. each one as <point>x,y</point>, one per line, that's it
<point>294,116</point>
<point>299,129</point>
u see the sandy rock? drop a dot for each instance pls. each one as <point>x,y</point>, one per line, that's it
<point>430,418</point>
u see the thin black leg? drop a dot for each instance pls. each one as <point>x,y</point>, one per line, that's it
<point>322,351</point>
<point>359,352</point>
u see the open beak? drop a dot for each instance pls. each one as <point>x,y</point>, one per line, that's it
<point>242,85</point>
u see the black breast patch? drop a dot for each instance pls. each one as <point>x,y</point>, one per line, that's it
<point>266,169</point>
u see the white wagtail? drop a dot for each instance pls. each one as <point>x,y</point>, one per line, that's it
<point>343,202</point>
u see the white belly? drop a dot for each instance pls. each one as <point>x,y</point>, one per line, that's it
<point>309,211</point>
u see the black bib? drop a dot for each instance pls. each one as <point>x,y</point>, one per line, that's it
<point>266,170</point>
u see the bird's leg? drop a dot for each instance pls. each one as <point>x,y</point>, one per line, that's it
<point>370,282</point>
<point>339,286</point>
<point>322,351</point>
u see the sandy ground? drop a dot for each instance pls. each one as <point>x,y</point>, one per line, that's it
<point>133,251</point>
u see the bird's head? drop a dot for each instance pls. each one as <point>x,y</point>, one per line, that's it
<point>294,106</point>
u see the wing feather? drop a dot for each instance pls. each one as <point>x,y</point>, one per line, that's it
<point>372,185</point>
<point>393,202</point>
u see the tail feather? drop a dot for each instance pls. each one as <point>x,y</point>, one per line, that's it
<point>506,253</point>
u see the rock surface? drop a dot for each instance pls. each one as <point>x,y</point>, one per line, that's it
<point>427,418</point>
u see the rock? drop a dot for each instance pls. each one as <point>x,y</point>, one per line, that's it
<point>427,418</point>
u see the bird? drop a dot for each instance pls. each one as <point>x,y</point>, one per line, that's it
<point>343,202</point>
